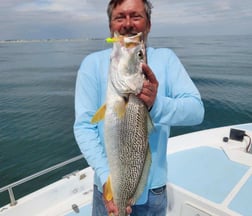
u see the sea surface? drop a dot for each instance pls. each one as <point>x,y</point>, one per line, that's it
<point>37,82</point>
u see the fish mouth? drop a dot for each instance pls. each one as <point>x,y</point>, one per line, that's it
<point>125,40</point>
<point>131,36</point>
<point>135,37</point>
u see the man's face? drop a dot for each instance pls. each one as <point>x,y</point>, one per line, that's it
<point>129,18</point>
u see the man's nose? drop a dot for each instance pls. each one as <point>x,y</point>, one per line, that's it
<point>128,22</point>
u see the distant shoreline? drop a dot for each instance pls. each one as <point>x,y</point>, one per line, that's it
<point>101,38</point>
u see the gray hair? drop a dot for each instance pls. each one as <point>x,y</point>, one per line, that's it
<point>113,3</point>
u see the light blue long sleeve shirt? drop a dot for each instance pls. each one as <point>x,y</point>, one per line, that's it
<point>178,103</point>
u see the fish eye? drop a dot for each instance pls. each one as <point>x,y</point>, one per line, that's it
<point>140,54</point>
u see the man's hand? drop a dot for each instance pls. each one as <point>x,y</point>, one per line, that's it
<point>111,207</point>
<point>150,87</point>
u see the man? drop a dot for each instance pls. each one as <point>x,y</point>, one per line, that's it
<point>169,93</point>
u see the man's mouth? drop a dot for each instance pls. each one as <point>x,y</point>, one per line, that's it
<point>130,34</point>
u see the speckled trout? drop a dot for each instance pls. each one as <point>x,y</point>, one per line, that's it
<point>126,123</point>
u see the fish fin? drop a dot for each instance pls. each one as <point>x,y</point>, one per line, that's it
<point>99,115</point>
<point>150,125</point>
<point>107,193</point>
<point>120,109</point>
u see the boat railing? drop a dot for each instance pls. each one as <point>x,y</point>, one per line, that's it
<point>10,187</point>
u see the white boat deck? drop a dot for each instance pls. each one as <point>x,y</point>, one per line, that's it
<point>85,210</point>
<point>57,199</point>
<point>206,177</point>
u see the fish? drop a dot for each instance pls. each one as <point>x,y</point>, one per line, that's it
<point>127,123</point>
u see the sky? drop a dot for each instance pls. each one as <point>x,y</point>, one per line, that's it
<point>60,19</point>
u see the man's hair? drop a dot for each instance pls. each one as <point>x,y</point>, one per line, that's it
<point>113,3</point>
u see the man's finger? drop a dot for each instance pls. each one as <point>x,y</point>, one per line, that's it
<point>128,210</point>
<point>149,74</point>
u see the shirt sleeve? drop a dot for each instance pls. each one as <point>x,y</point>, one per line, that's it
<point>87,102</point>
<point>178,102</point>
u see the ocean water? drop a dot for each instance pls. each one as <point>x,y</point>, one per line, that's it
<point>37,81</point>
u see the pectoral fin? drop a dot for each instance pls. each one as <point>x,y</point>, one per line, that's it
<point>120,108</point>
<point>99,115</point>
<point>107,190</point>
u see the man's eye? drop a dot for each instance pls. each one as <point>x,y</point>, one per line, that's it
<point>119,18</point>
<point>136,17</point>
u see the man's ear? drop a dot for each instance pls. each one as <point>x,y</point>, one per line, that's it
<point>111,33</point>
<point>149,26</point>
